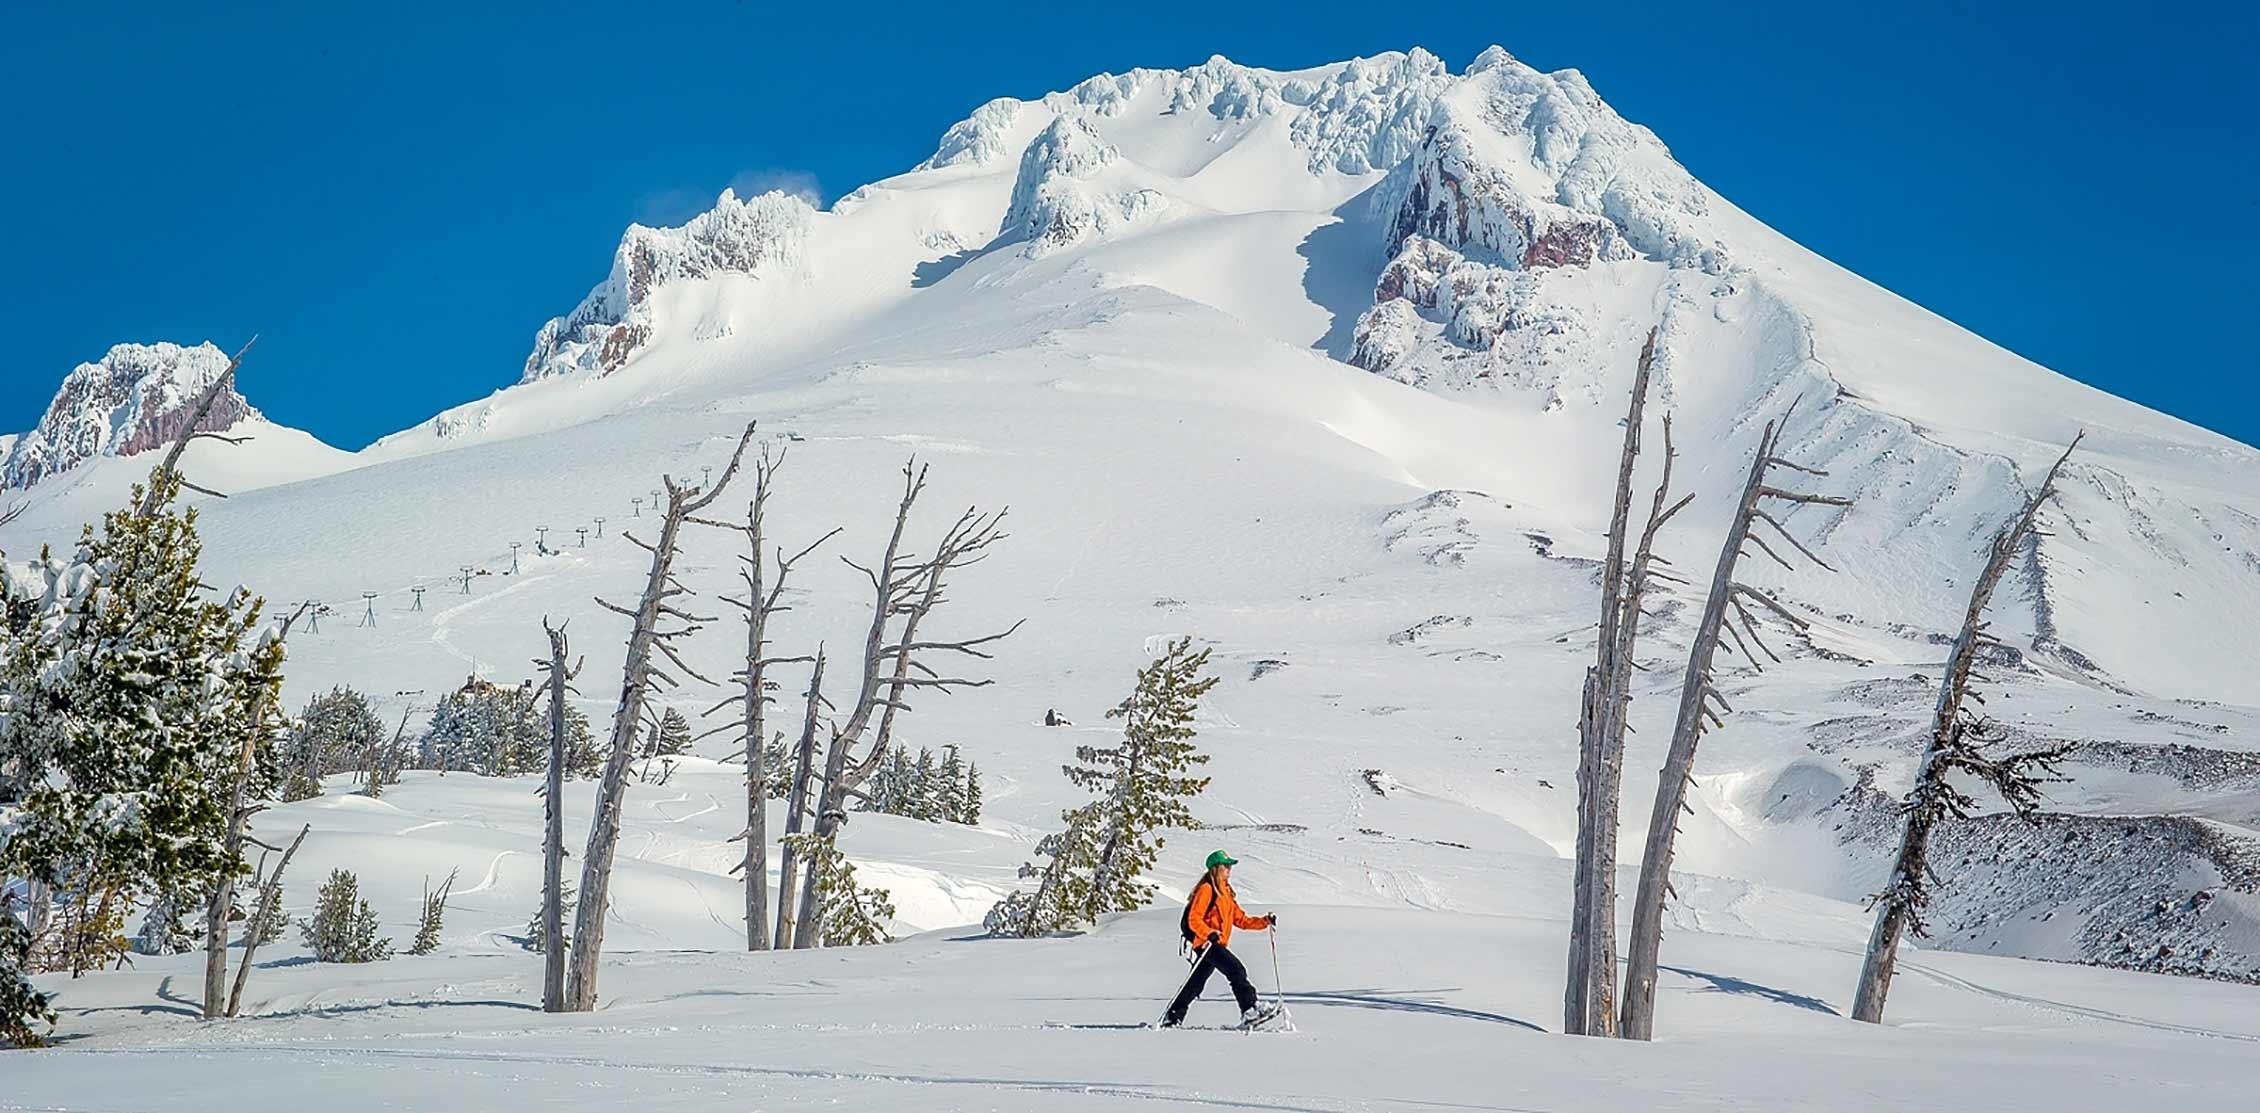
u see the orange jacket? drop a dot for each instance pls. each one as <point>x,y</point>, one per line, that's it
<point>1215,909</point>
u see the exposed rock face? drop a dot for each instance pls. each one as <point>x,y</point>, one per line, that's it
<point>754,236</point>
<point>135,398</point>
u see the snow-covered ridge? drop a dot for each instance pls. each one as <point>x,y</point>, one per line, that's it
<point>135,398</point>
<point>754,236</point>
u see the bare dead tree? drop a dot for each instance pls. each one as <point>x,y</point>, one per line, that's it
<point>558,680</point>
<point>1697,697</point>
<point>657,623</point>
<point>1590,997</point>
<point>269,902</point>
<point>796,806</point>
<point>764,599</point>
<point>189,432</point>
<point>240,809</point>
<point>1954,746</point>
<point>907,589</point>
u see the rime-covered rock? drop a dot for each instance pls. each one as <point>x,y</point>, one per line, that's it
<point>755,236</point>
<point>135,398</point>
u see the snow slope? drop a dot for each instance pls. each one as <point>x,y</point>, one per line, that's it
<point>1127,311</point>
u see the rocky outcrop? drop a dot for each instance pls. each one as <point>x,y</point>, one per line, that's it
<point>755,236</point>
<point>135,398</point>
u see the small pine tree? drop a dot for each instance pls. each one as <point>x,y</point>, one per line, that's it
<point>777,768</point>
<point>267,919</point>
<point>335,734</point>
<point>344,926</point>
<point>949,788</point>
<point>850,914</point>
<point>1146,779</point>
<point>922,790</point>
<point>537,935</point>
<point>24,1010</point>
<point>435,907</point>
<point>972,812</point>
<point>162,932</point>
<point>672,739</point>
<point>1063,882</point>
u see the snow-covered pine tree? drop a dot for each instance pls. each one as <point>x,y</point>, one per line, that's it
<point>777,768</point>
<point>334,734</point>
<point>949,788</point>
<point>24,1010</point>
<point>1063,881</point>
<point>344,926</point>
<point>162,931</point>
<point>920,798</point>
<point>123,735</point>
<point>850,914</point>
<point>1145,780</point>
<point>267,919</point>
<point>972,811</point>
<point>435,909</point>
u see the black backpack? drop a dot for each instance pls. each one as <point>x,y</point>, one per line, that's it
<point>1185,918</point>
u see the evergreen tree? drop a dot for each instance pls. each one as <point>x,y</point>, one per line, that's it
<point>335,734</point>
<point>500,731</point>
<point>777,768</point>
<point>949,788</point>
<point>435,907</point>
<point>267,919</point>
<point>127,685</point>
<point>672,739</point>
<point>24,1010</point>
<point>344,926</point>
<point>972,810</point>
<point>920,797</point>
<point>162,932</point>
<point>536,938</point>
<point>1146,778</point>
<point>1063,881</point>
<point>849,914</point>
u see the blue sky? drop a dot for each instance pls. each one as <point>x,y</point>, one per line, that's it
<point>396,199</point>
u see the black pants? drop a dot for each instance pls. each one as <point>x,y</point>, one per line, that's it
<point>1213,959</point>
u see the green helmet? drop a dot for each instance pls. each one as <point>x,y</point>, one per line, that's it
<point>1219,858</point>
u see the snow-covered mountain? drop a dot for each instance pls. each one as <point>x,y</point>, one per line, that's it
<point>140,397</point>
<point>1326,367</point>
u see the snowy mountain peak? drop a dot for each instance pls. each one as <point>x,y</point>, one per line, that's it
<point>755,236</point>
<point>1060,197</point>
<point>135,398</point>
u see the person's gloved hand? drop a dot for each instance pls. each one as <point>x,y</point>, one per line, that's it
<point>1272,919</point>
<point>1212,937</point>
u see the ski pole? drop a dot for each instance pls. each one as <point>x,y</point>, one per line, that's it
<point>1278,991</point>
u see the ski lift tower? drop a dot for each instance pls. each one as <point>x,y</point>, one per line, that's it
<point>313,616</point>
<point>514,545</point>
<point>584,532</point>
<point>600,525</point>
<point>465,569</point>
<point>541,539</point>
<point>419,599</point>
<point>369,614</point>
<point>635,505</point>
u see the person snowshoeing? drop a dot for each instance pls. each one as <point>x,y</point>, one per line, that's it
<point>1210,915</point>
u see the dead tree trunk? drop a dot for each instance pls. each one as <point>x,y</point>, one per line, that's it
<point>1899,906</point>
<point>1589,995</point>
<point>891,667</point>
<point>796,807</point>
<point>222,898</point>
<point>270,896</point>
<point>189,432</point>
<point>559,677</point>
<point>1697,695</point>
<point>764,598</point>
<point>637,673</point>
